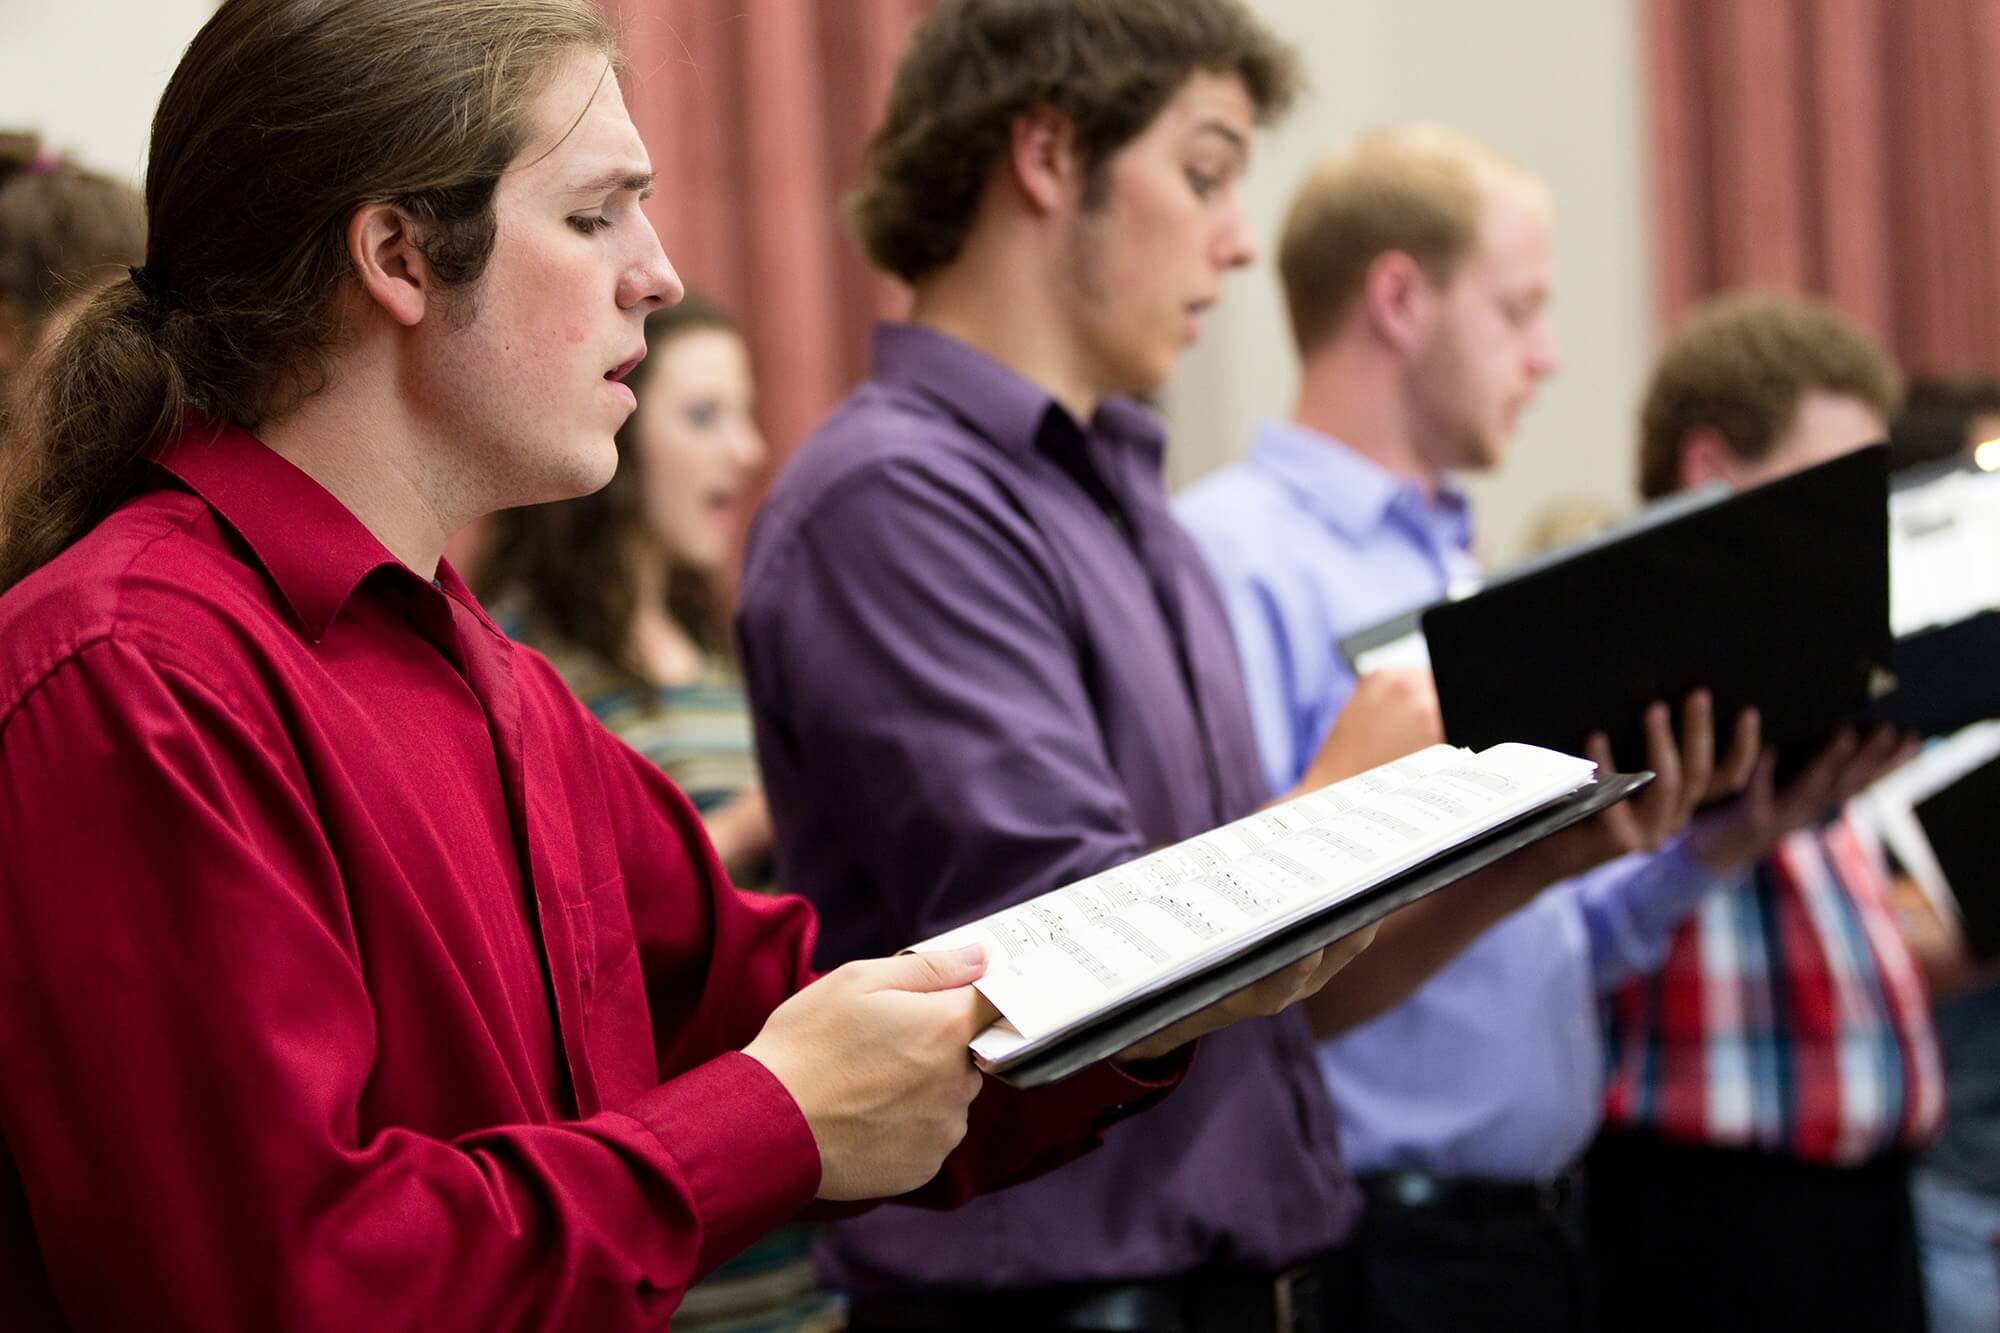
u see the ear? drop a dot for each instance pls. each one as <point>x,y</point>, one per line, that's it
<point>1705,457</point>
<point>1397,300</point>
<point>382,243</point>
<point>1042,158</point>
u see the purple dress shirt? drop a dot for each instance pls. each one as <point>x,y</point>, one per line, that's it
<point>983,662</point>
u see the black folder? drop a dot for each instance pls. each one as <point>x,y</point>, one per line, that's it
<point>1146,1014</point>
<point>1959,823</point>
<point>1947,677</point>
<point>1776,597</point>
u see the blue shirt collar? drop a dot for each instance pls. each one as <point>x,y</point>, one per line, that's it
<point>1352,494</point>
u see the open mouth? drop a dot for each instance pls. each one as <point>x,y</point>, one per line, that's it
<point>618,372</point>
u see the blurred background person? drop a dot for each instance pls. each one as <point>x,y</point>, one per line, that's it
<point>1769,1083</point>
<point>1944,417</point>
<point>1566,522</point>
<point>1956,1184</point>
<point>1417,265</point>
<point>624,591</point>
<point>63,228</point>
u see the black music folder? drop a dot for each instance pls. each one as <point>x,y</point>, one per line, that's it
<point>1965,839</point>
<point>1776,597</point>
<point>1947,677</point>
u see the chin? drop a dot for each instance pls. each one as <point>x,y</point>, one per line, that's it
<point>1145,379</point>
<point>593,466</point>
<point>572,472</point>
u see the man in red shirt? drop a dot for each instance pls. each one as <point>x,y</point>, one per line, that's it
<point>350,973</point>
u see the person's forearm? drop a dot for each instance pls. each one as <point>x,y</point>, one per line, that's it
<point>740,830</point>
<point>1415,942</point>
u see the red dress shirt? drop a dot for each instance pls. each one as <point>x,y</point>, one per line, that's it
<point>351,975</point>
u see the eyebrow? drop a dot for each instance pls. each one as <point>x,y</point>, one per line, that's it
<point>1236,138</point>
<point>640,181</point>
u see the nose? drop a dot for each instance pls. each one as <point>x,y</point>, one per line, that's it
<point>746,447</point>
<point>1544,354</point>
<point>1236,243</point>
<point>649,281</point>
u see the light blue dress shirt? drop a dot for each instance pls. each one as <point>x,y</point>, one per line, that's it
<point>1495,1067</point>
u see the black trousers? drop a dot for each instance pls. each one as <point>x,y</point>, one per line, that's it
<point>1317,1296</point>
<point>1474,1263</point>
<point>1685,1237</point>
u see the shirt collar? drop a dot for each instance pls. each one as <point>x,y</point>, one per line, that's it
<point>313,547</point>
<point>1350,492</point>
<point>994,401</point>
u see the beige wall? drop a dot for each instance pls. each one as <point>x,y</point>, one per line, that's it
<point>1556,84</point>
<point>88,73</point>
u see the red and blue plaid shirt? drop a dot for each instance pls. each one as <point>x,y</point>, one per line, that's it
<point>1789,1015</point>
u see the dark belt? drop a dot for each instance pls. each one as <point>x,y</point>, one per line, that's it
<point>1313,1297</point>
<point>1475,1200</point>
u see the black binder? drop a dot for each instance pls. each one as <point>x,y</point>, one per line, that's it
<point>1947,677</point>
<point>1148,1013</point>
<point>1776,597</point>
<point>1959,823</point>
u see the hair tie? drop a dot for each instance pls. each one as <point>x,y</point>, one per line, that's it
<point>149,287</point>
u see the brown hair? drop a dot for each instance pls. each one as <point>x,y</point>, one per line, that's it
<point>1740,365</point>
<point>1417,190</point>
<point>975,66</point>
<point>283,117</point>
<point>570,562</point>
<point>61,225</point>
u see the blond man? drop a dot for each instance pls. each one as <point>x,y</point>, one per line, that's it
<point>1417,266</point>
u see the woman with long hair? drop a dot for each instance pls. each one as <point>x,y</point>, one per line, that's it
<point>622,588</point>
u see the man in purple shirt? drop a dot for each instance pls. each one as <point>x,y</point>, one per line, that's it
<point>985,662</point>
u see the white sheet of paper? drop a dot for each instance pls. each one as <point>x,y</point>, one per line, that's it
<point>1057,959</point>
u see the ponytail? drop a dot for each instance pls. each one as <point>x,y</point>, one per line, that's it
<point>99,397</point>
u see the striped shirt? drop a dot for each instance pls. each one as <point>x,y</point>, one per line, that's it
<point>697,734</point>
<point>1789,1016</point>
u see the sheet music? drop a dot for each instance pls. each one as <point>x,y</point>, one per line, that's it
<point>1944,551</point>
<point>1890,806</point>
<point>1058,959</point>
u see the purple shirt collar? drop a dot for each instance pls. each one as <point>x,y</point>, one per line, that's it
<point>992,400</point>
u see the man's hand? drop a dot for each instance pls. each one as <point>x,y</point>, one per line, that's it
<point>1390,714</point>
<point>1747,829</point>
<point>1685,775</point>
<point>874,1053</point>
<point>1301,981</point>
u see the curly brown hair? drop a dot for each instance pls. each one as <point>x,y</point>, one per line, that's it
<point>974,66</point>
<point>569,562</point>
<point>1740,365</point>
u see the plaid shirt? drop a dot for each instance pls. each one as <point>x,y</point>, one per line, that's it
<point>1789,1015</point>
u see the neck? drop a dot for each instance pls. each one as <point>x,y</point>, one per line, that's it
<point>657,643</point>
<point>1353,391</point>
<point>370,455</point>
<point>1002,300</point>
